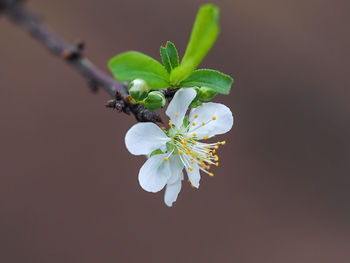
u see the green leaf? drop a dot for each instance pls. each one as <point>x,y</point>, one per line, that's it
<point>209,78</point>
<point>204,33</point>
<point>169,56</point>
<point>172,54</point>
<point>135,65</point>
<point>165,59</point>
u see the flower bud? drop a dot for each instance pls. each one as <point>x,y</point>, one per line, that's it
<point>138,89</point>
<point>206,94</point>
<point>155,100</point>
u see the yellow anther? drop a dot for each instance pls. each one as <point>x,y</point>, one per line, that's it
<point>194,135</point>
<point>184,143</point>
<point>170,123</point>
<point>181,152</point>
<point>190,138</point>
<point>208,146</point>
<point>205,137</point>
<point>203,123</point>
<point>192,162</point>
<point>193,123</point>
<point>216,147</point>
<point>192,186</point>
<point>166,159</point>
<point>187,152</point>
<point>223,142</point>
<point>208,167</point>
<point>216,158</point>
<point>163,128</point>
<point>196,116</point>
<point>188,180</point>
<point>214,151</point>
<point>185,139</point>
<point>218,143</point>
<point>214,118</point>
<point>190,168</point>
<point>176,115</point>
<point>211,174</point>
<point>217,164</point>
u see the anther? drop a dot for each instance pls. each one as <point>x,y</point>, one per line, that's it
<point>211,174</point>
<point>205,137</point>
<point>190,168</point>
<point>181,152</point>
<point>193,123</point>
<point>203,123</point>
<point>196,116</point>
<point>170,124</point>
<point>187,152</point>
<point>190,138</point>
<point>217,164</point>
<point>223,142</point>
<point>214,118</point>
<point>216,147</point>
<point>163,128</point>
<point>195,134</point>
<point>176,115</point>
<point>166,159</point>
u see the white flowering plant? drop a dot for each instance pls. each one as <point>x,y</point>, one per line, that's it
<point>183,146</point>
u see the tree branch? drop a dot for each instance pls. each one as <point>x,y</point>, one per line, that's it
<point>74,56</point>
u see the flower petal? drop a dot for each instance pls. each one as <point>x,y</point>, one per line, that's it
<point>194,175</point>
<point>204,114</point>
<point>171,193</point>
<point>178,106</point>
<point>176,167</point>
<point>144,138</point>
<point>154,174</point>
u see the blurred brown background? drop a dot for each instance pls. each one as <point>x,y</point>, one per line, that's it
<point>68,186</point>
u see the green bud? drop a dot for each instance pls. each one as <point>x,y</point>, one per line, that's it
<point>138,89</point>
<point>206,94</point>
<point>155,100</point>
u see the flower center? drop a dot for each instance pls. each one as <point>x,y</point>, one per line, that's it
<point>191,151</point>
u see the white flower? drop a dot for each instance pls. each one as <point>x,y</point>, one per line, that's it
<point>180,146</point>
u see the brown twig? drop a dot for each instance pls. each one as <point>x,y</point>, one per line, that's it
<point>74,56</point>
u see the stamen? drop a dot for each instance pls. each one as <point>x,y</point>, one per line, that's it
<point>170,124</point>
<point>214,118</point>
<point>205,137</point>
<point>223,142</point>
<point>196,116</point>
<point>216,147</point>
<point>211,174</point>
<point>203,123</point>
<point>181,152</point>
<point>166,159</point>
<point>194,135</point>
<point>217,164</point>
<point>176,115</point>
<point>190,168</point>
<point>193,123</point>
